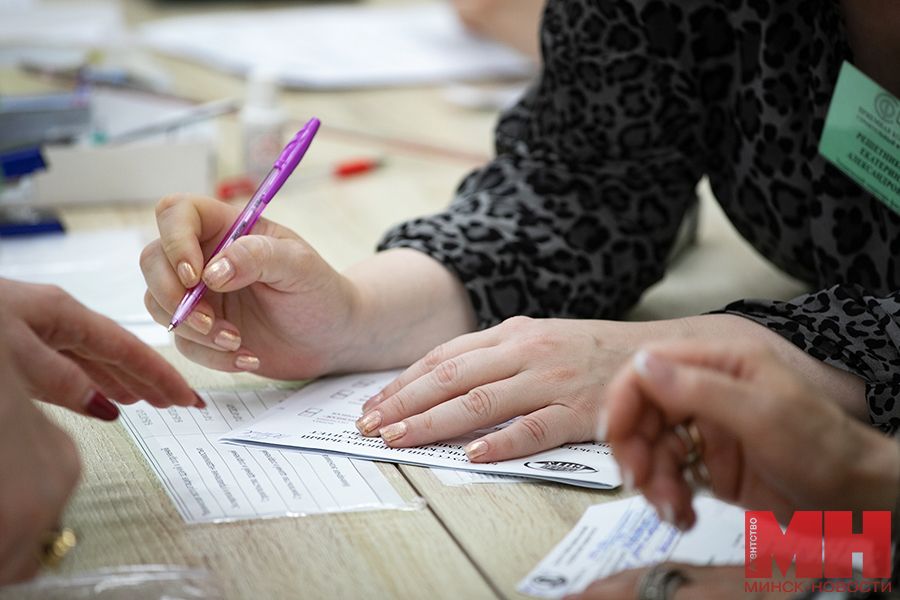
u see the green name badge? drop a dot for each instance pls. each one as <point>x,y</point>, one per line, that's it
<point>862,135</point>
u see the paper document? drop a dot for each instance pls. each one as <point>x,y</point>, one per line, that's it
<point>321,417</point>
<point>82,24</point>
<point>627,534</point>
<point>98,268</point>
<point>454,477</point>
<point>340,46</point>
<point>210,482</point>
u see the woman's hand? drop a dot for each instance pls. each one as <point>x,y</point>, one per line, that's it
<point>700,583</point>
<point>38,471</point>
<point>773,440</point>
<point>553,372</point>
<point>70,356</point>
<point>274,306</point>
<point>513,22</point>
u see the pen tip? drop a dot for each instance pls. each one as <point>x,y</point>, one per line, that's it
<point>171,327</point>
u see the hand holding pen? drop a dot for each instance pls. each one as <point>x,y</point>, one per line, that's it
<point>288,160</point>
<point>274,305</point>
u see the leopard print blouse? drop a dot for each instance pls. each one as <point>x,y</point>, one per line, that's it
<point>597,164</point>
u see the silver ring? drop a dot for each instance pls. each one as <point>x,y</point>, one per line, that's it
<point>660,583</point>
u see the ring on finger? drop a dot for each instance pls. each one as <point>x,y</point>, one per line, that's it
<point>55,545</point>
<point>693,468</point>
<point>660,583</point>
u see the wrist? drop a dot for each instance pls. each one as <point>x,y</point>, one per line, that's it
<point>348,333</point>
<point>403,304</point>
<point>841,387</point>
<point>874,482</point>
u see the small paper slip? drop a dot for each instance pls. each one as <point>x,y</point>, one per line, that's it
<point>210,482</point>
<point>340,46</point>
<point>321,418</point>
<point>454,477</point>
<point>82,24</point>
<point>627,534</point>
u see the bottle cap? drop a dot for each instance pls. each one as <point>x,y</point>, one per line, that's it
<point>263,87</point>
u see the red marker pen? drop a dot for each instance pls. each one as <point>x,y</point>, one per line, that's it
<point>243,185</point>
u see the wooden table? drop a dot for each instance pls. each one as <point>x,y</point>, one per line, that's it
<point>469,542</point>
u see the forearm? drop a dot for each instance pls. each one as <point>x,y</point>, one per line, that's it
<point>406,304</point>
<point>513,22</point>
<point>841,387</point>
<point>875,483</point>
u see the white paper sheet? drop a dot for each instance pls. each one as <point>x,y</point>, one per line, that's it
<point>210,482</point>
<point>454,477</point>
<point>84,24</point>
<point>99,268</point>
<point>321,417</point>
<point>340,46</point>
<point>627,534</point>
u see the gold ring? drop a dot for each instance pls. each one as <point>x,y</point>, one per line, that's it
<point>693,468</point>
<point>55,545</point>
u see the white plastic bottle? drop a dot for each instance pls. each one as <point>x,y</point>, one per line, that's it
<point>262,123</point>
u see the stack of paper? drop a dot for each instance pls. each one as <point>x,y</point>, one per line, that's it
<point>297,452</point>
<point>321,418</point>
<point>210,482</point>
<point>340,46</point>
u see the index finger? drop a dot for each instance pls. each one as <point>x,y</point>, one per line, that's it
<point>431,361</point>
<point>92,336</point>
<point>684,379</point>
<point>186,223</point>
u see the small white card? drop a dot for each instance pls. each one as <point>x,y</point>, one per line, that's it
<point>210,482</point>
<point>627,534</point>
<point>454,477</point>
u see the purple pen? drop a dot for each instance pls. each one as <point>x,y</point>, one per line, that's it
<point>284,166</point>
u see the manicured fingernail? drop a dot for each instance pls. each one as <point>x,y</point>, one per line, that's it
<point>369,422</point>
<point>227,340</point>
<point>246,363</point>
<point>602,425</point>
<point>187,275</point>
<point>476,449</point>
<point>200,403</point>
<point>199,322</point>
<point>372,402</point>
<point>393,432</point>
<point>627,478</point>
<point>666,513</point>
<point>219,273</point>
<point>653,368</point>
<point>98,406</point>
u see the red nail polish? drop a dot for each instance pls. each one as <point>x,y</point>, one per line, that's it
<point>200,402</point>
<point>103,409</point>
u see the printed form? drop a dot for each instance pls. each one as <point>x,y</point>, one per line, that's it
<point>211,482</point>
<point>321,417</point>
<point>627,534</point>
<point>455,477</point>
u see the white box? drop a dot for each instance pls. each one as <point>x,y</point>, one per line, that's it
<point>123,173</point>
